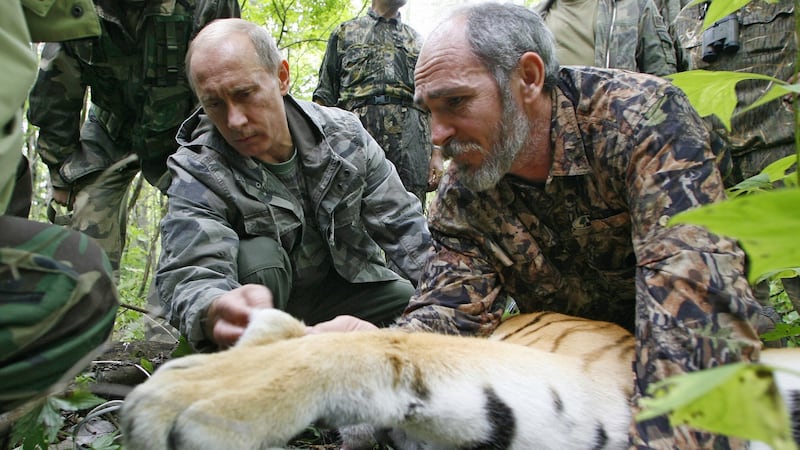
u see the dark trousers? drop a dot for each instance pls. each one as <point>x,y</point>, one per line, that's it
<point>263,261</point>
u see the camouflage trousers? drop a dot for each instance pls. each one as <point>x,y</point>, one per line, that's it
<point>100,208</point>
<point>263,261</point>
<point>57,307</point>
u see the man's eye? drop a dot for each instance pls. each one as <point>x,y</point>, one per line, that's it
<point>454,102</point>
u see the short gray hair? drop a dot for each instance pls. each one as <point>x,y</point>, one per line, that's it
<point>499,34</point>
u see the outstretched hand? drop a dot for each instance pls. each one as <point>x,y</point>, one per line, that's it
<point>341,323</point>
<point>229,314</point>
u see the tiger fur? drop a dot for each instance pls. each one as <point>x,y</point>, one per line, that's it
<point>542,381</point>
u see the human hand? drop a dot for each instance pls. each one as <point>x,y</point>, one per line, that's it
<point>229,314</point>
<point>63,196</point>
<point>341,323</point>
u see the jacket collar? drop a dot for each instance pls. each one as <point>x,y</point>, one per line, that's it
<point>566,139</point>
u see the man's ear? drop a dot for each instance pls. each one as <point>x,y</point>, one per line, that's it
<point>284,77</point>
<point>531,73</point>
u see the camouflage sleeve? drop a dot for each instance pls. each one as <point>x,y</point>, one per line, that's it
<point>56,101</point>
<point>694,306</point>
<point>460,291</point>
<point>327,91</point>
<point>199,249</point>
<point>656,52</point>
<point>392,215</point>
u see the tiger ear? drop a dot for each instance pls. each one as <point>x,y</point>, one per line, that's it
<point>270,325</point>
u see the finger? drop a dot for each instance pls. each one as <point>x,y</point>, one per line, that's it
<point>226,334</point>
<point>257,296</point>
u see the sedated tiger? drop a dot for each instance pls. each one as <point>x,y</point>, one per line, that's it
<point>541,381</point>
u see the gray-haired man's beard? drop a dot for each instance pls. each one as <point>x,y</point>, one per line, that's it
<point>510,138</point>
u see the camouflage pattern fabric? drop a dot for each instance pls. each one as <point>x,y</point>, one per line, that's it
<point>139,97</point>
<point>57,300</point>
<point>370,57</point>
<point>767,46</point>
<point>629,152</point>
<point>629,34</point>
<point>219,197</point>
<point>57,306</point>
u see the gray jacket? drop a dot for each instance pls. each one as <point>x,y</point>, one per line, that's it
<point>218,197</point>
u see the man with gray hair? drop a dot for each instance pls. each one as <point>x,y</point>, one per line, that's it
<point>277,202</point>
<point>561,184</point>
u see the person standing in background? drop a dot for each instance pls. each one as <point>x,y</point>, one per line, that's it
<point>614,34</point>
<point>139,97</point>
<point>368,68</point>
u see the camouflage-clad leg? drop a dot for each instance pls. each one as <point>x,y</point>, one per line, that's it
<point>57,306</point>
<point>100,208</point>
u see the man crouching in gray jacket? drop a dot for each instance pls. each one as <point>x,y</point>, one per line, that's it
<point>277,202</point>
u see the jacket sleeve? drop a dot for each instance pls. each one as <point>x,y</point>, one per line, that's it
<point>199,249</point>
<point>56,102</point>
<point>694,307</point>
<point>327,91</point>
<point>656,50</point>
<point>392,215</point>
<point>460,291</point>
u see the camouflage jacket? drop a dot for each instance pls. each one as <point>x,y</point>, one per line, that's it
<point>218,196</point>
<point>767,47</point>
<point>21,22</point>
<point>629,152</point>
<point>139,90</point>
<point>631,35</point>
<point>366,57</point>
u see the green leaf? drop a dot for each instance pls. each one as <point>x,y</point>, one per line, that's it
<point>146,365</point>
<point>766,226</point>
<point>781,331</point>
<point>105,442</point>
<point>183,348</point>
<point>77,400</point>
<point>51,418</point>
<point>738,399</point>
<point>29,430</point>
<point>714,92</point>
<point>765,180</point>
<point>718,10</point>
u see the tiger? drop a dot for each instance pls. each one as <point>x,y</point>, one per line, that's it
<point>540,381</point>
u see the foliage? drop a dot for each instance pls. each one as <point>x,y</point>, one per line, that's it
<point>43,424</point>
<point>714,92</point>
<point>301,30</point>
<point>734,399</point>
<point>765,225</point>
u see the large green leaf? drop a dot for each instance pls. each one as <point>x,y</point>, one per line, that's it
<point>714,92</point>
<point>766,179</point>
<point>766,225</point>
<point>738,399</point>
<point>718,10</point>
